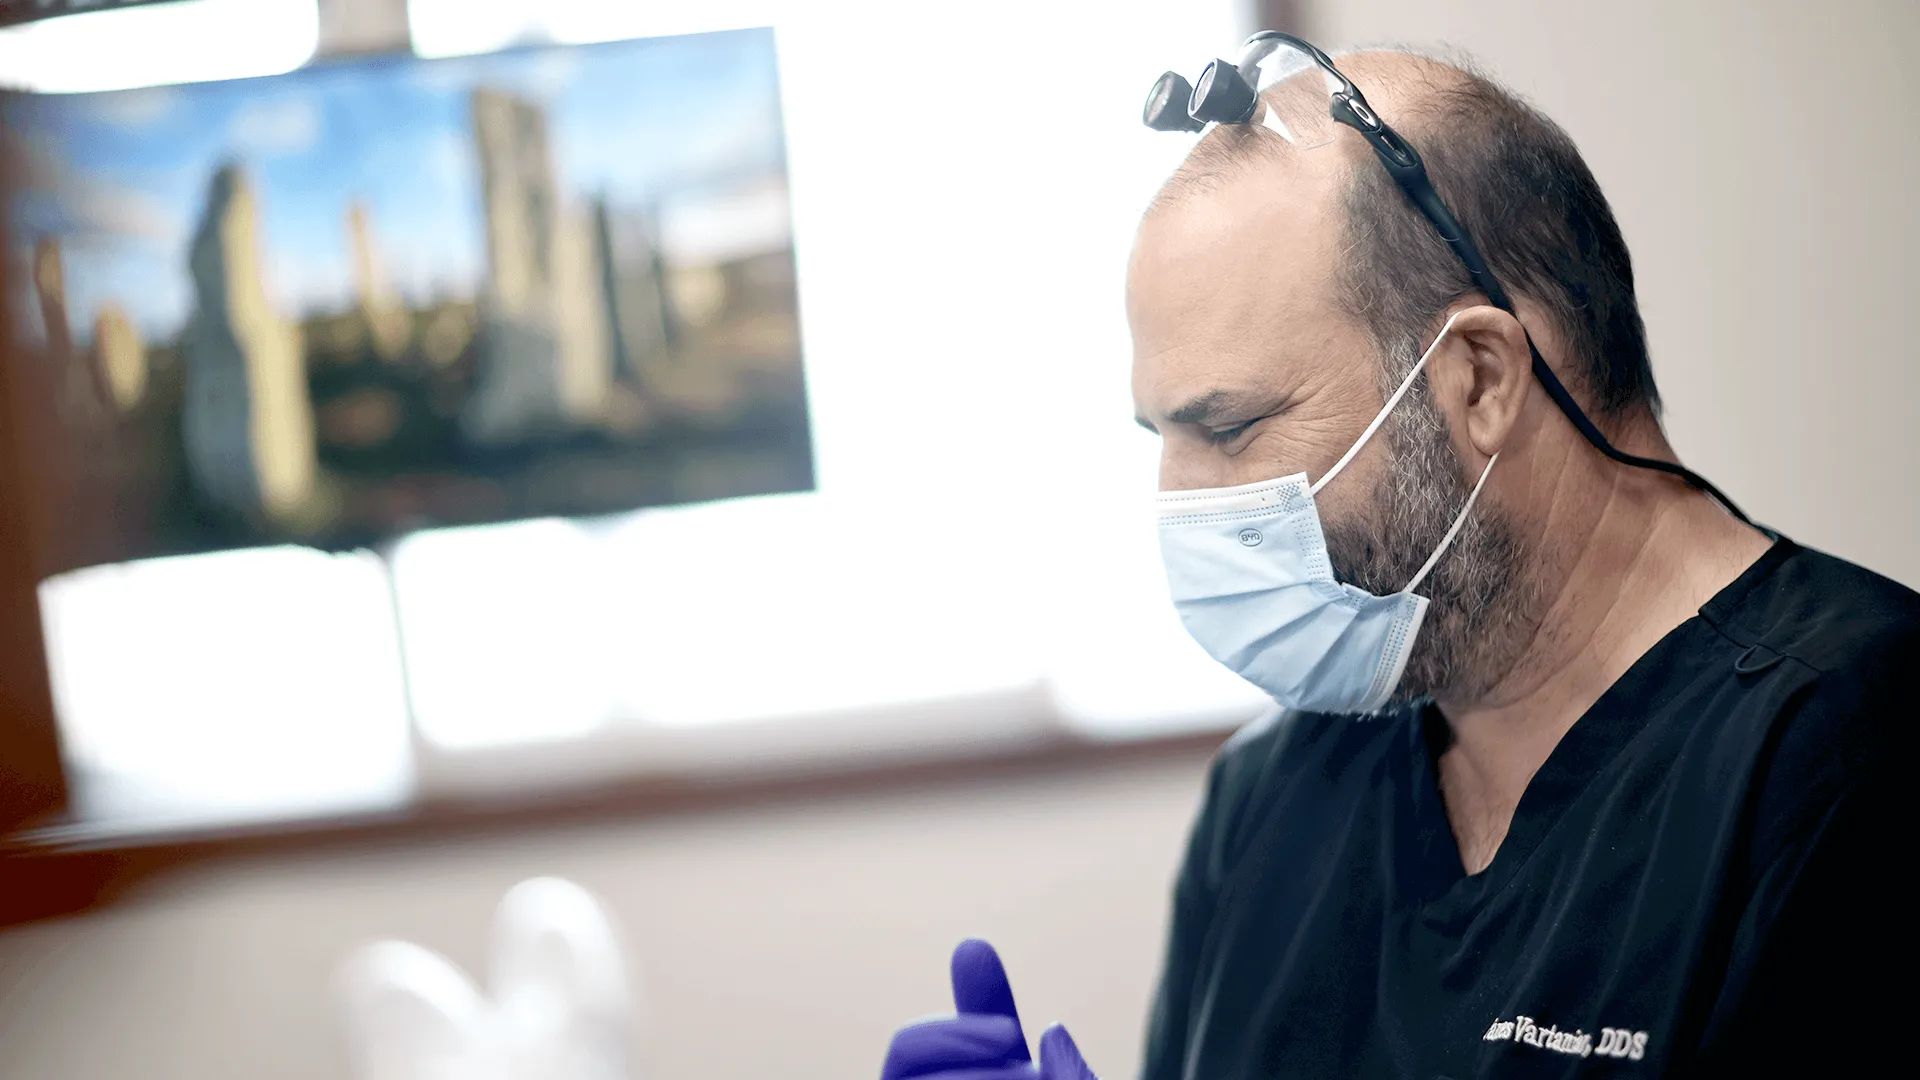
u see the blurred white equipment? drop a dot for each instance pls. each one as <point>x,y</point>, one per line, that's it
<point>560,1008</point>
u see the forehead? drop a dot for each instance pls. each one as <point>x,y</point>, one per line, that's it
<point>1239,270</point>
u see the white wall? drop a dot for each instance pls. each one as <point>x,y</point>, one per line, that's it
<point>1760,156</point>
<point>785,940</point>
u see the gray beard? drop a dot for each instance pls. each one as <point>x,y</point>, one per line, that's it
<point>1480,611</point>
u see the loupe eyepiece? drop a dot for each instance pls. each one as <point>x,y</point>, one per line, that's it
<point>1166,108</point>
<point>1223,96</point>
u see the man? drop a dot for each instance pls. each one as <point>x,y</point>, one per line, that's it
<point>1628,804</point>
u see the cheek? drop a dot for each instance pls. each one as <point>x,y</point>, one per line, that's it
<point>1301,442</point>
<point>1354,493</point>
<point>1188,464</point>
<point>1275,449</point>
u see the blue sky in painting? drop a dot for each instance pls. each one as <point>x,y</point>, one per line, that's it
<point>121,178</point>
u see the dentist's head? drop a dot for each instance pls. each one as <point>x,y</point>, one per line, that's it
<point>1281,295</point>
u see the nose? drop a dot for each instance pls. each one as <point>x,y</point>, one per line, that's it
<point>1184,467</point>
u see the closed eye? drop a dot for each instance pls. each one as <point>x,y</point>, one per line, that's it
<point>1223,436</point>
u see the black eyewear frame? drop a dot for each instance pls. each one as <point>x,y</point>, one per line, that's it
<point>1226,94</point>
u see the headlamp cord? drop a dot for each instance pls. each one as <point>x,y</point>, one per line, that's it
<point>1403,162</point>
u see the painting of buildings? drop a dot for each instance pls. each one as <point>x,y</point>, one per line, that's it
<point>386,294</point>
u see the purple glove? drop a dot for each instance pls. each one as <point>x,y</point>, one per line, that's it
<point>983,1040</point>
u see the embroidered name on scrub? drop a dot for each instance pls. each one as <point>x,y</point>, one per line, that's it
<point>1613,1042</point>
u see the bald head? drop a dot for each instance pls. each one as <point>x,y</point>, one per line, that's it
<point>1511,176</point>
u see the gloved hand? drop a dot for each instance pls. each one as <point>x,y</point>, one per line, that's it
<point>983,1040</point>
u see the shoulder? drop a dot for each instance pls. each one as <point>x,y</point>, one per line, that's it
<point>1829,614</point>
<point>1293,759</point>
<point>1854,635</point>
<point>1844,639</point>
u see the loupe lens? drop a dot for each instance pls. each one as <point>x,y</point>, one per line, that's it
<point>1222,96</point>
<point>1166,108</point>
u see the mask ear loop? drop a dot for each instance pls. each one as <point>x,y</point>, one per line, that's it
<point>1447,541</point>
<point>1385,411</point>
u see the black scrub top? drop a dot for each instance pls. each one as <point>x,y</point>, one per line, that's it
<point>1707,877</point>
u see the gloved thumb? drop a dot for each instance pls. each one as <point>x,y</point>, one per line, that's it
<point>1060,1059</point>
<point>980,986</point>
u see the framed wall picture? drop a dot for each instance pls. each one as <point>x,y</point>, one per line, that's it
<point>379,295</point>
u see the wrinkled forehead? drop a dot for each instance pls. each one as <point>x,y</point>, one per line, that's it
<point>1233,292</point>
<point>1244,227</point>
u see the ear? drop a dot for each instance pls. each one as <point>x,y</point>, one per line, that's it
<point>1481,376</point>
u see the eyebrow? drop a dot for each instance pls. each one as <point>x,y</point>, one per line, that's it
<point>1202,409</point>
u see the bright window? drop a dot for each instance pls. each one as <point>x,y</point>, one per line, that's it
<point>189,41</point>
<point>964,195</point>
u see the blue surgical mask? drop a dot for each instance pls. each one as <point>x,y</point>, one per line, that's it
<point>1251,580</point>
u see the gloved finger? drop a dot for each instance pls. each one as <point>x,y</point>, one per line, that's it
<point>980,985</point>
<point>1023,1071</point>
<point>1060,1059</point>
<point>962,1042</point>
